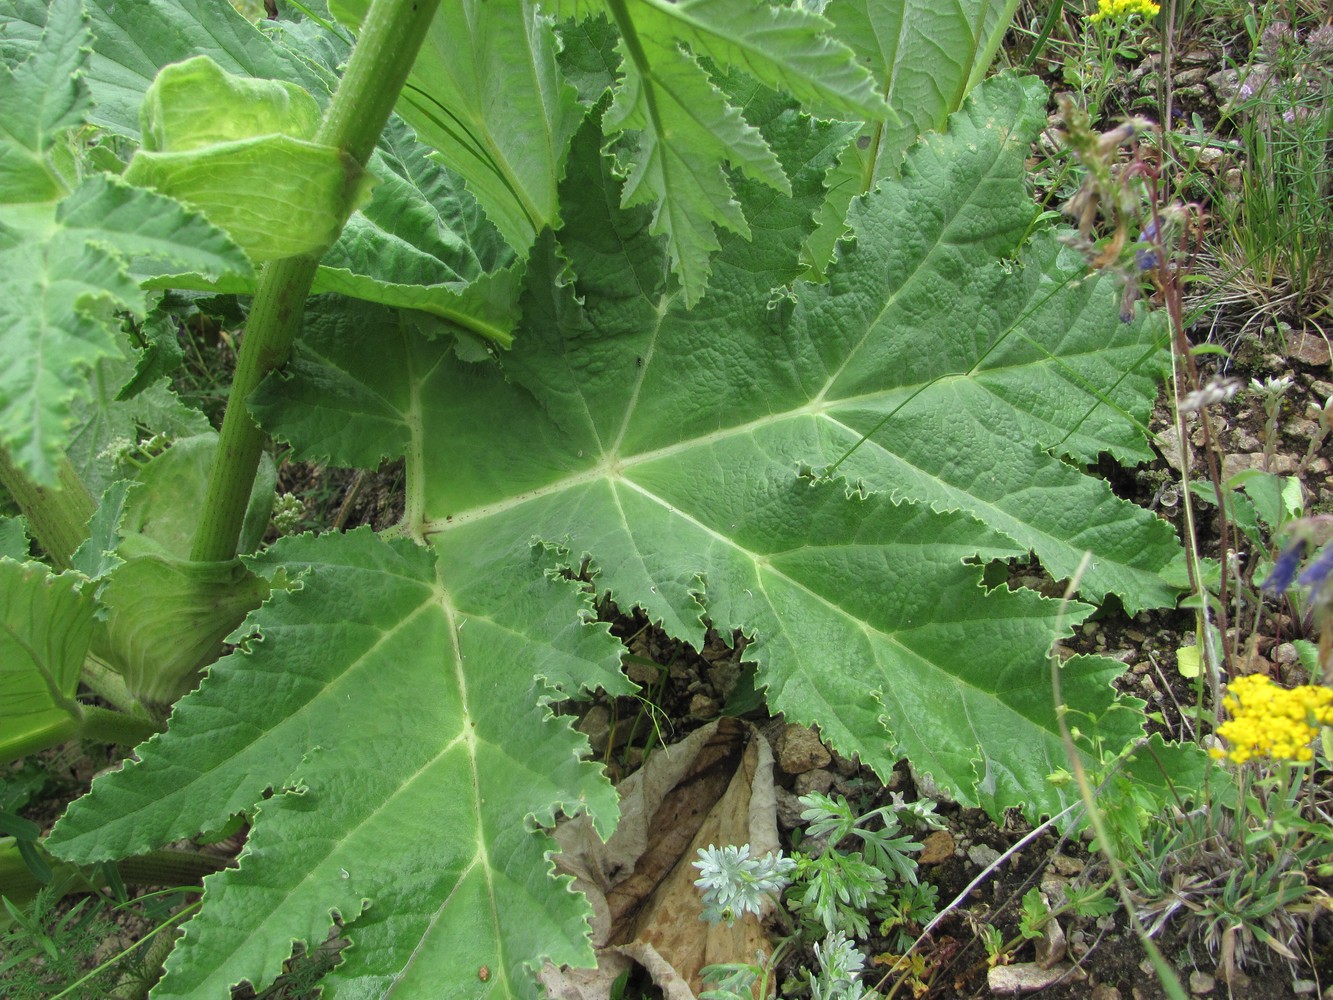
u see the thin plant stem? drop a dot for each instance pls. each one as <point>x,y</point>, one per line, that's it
<point>1165,975</point>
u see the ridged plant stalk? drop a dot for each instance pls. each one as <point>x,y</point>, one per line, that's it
<point>57,516</point>
<point>391,35</point>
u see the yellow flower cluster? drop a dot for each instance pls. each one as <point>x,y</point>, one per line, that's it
<point>1120,10</point>
<point>1270,721</point>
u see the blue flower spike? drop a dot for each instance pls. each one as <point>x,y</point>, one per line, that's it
<point>1284,569</point>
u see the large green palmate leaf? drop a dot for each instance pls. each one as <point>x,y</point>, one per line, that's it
<point>392,696</point>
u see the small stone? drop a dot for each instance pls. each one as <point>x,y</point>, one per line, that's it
<point>1066,865</point>
<point>1201,983</point>
<point>1051,945</point>
<point>1053,885</point>
<point>1285,654</point>
<point>1234,463</point>
<point>789,809</point>
<point>703,707</point>
<point>846,768</point>
<point>1105,991</point>
<point>1245,441</point>
<point>1303,987</point>
<point>1026,977</point>
<point>799,750</point>
<point>1309,349</point>
<point>936,848</point>
<point>982,855</point>
<point>643,674</point>
<point>817,780</point>
<point>596,725</point>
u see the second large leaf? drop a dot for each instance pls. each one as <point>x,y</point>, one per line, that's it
<point>812,464</point>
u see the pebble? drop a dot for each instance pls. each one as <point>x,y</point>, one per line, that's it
<point>936,848</point>
<point>1201,983</point>
<point>1234,463</point>
<point>1051,946</point>
<point>596,725</point>
<point>1026,977</point>
<point>799,750</point>
<point>704,707</point>
<point>1286,654</point>
<point>789,809</point>
<point>982,855</point>
<point>817,780</point>
<point>643,674</point>
<point>1066,865</point>
<point>1104,991</point>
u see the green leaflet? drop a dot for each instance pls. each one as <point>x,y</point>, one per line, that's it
<point>40,99</point>
<point>486,93</point>
<point>785,48</point>
<point>45,624</point>
<point>241,152</point>
<point>686,132</point>
<point>13,538</point>
<point>924,57</point>
<point>60,280</point>
<point>412,752</point>
<point>133,41</point>
<point>687,128</point>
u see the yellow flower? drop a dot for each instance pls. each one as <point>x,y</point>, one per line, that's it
<point>1269,721</point>
<point>1121,10</point>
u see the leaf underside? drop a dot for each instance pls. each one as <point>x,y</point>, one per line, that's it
<point>395,698</point>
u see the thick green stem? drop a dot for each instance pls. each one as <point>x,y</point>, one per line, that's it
<point>93,723</point>
<point>57,517</point>
<point>108,726</point>
<point>165,867</point>
<point>391,34</point>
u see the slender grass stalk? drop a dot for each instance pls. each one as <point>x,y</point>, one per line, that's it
<point>1165,974</point>
<point>391,35</point>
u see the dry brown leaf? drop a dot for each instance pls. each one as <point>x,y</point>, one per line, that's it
<point>715,787</point>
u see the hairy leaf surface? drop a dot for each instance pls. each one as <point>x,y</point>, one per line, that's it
<point>400,719</point>
<point>924,56</point>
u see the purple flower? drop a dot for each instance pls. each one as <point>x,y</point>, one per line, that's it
<point>1316,574</point>
<point>1146,259</point>
<point>1284,569</point>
